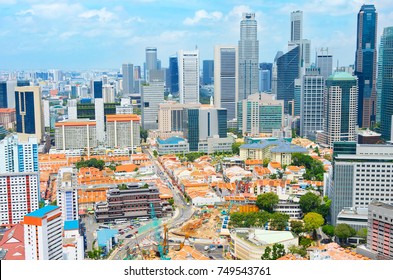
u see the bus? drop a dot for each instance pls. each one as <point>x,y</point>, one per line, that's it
<point>143,219</point>
<point>120,221</point>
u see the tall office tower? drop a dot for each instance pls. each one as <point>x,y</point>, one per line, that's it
<point>67,193</point>
<point>170,115</point>
<point>296,26</point>
<point>208,72</point>
<point>366,65</point>
<point>188,66</point>
<point>174,75</point>
<point>260,113</point>
<point>158,64</point>
<point>204,125</point>
<point>19,178</point>
<point>151,97</point>
<point>97,89</point>
<point>108,93</point>
<point>151,61</point>
<point>312,96</point>
<point>57,75</point>
<point>225,79</point>
<point>324,61</point>
<point>340,108</point>
<point>128,78</point>
<point>29,116</point>
<point>361,174</point>
<point>287,72</point>
<point>123,130</point>
<point>104,79</point>
<point>137,73</point>
<point>46,111</point>
<point>379,230</point>
<point>265,77</point>
<point>72,109</point>
<point>3,95</point>
<point>43,234</point>
<point>248,57</point>
<point>297,92</point>
<point>100,120</point>
<point>385,79</point>
<point>274,72</point>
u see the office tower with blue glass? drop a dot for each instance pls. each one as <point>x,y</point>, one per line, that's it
<point>248,57</point>
<point>151,61</point>
<point>366,65</point>
<point>208,72</point>
<point>385,79</point>
<point>225,79</point>
<point>174,75</point>
<point>128,78</point>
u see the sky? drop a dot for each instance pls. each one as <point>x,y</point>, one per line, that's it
<point>82,35</point>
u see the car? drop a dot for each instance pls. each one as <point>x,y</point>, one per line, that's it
<point>129,235</point>
<point>219,246</point>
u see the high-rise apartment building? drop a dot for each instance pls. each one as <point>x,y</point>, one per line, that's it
<point>385,79</point>
<point>248,57</point>
<point>123,130</point>
<point>128,78</point>
<point>340,108</point>
<point>43,234</point>
<point>29,115</point>
<point>208,72</point>
<point>151,61</point>
<point>312,103</point>
<point>361,174</point>
<point>188,66</point>
<point>152,96</point>
<point>67,193</point>
<point>366,65</point>
<point>99,113</point>
<point>260,113</point>
<point>75,134</point>
<point>225,79</point>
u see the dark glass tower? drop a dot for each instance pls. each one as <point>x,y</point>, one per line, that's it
<point>97,89</point>
<point>366,64</point>
<point>174,74</point>
<point>386,78</point>
<point>3,95</point>
<point>208,72</point>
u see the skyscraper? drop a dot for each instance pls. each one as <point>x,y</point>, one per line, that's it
<point>97,89</point>
<point>151,97</point>
<point>265,76</point>
<point>385,79</point>
<point>67,193</point>
<point>340,111</point>
<point>151,61</point>
<point>225,79</point>
<point>3,95</point>
<point>324,61</point>
<point>7,92</point>
<point>188,66</point>
<point>296,26</point>
<point>366,64</point>
<point>287,72</point>
<point>248,57</point>
<point>128,78</point>
<point>208,72</point>
<point>174,75</point>
<point>29,116</point>
<point>311,111</point>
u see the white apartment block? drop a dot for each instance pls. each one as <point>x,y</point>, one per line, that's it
<point>188,64</point>
<point>67,193</point>
<point>73,245</point>
<point>43,234</point>
<point>75,134</point>
<point>123,130</point>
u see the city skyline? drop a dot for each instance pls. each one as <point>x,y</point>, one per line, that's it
<point>91,35</point>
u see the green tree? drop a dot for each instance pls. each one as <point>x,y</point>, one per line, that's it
<point>314,168</point>
<point>305,242</point>
<point>298,250</point>
<point>95,254</point>
<point>266,162</point>
<point>171,201</point>
<point>297,227</point>
<point>236,147</point>
<point>267,254</point>
<point>155,153</point>
<point>328,230</point>
<point>143,134</point>
<point>278,221</point>
<point>362,233</point>
<point>41,204</point>
<point>343,231</point>
<point>309,202</point>
<point>273,254</point>
<point>312,221</point>
<point>54,202</point>
<point>267,201</point>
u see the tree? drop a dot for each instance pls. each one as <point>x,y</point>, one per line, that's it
<point>324,208</point>
<point>312,221</point>
<point>309,202</point>
<point>266,162</point>
<point>362,233</point>
<point>273,254</point>
<point>328,230</point>
<point>171,201</point>
<point>298,250</point>
<point>297,227</point>
<point>155,153</point>
<point>95,254</point>
<point>343,231</point>
<point>236,147</point>
<point>267,201</point>
<point>143,134</point>
<point>278,221</point>
<point>314,168</point>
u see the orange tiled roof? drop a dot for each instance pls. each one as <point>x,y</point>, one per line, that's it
<point>122,118</point>
<point>253,161</point>
<point>7,110</point>
<point>126,168</point>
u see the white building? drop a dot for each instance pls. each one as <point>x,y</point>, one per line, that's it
<point>208,199</point>
<point>43,234</point>
<point>123,130</point>
<point>72,109</point>
<point>75,134</point>
<point>73,245</point>
<point>108,93</point>
<point>67,193</point>
<point>100,120</point>
<point>46,110</point>
<point>152,96</point>
<point>188,64</point>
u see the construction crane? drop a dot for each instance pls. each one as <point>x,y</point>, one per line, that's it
<point>182,243</point>
<point>163,250</point>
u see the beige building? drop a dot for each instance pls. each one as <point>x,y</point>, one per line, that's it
<point>170,116</point>
<point>7,118</point>
<point>75,134</point>
<point>123,130</point>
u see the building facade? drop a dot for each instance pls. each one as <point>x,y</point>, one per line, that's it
<point>208,72</point>
<point>128,78</point>
<point>75,134</point>
<point>43,234</point>
<point>172,145</point>
<point>324,62</point>
<point>123,130</point>
<point>248,57</point>
<point>188,67</point>
<point>67,193</point>
<point>152,96</point>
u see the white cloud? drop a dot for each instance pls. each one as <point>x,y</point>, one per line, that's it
<point>134,19</point>
<point>51,11</point>
<point>29,12</point>
<point>103,15</point>
<point>201,15</point>
<point>7,2</point>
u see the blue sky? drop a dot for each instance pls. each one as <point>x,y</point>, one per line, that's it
<point>42,34</point>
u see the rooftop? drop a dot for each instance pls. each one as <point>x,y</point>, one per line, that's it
<point>171,141</point>
<point>341,76</point>
<point>40,213</point>
<point>103,235</point>
<point>71,225</point>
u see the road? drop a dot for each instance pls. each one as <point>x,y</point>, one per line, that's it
<point>183,213</point>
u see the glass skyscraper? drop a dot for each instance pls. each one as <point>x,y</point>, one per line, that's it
<point>366,64</point>
<point>208,72</point>
<point>386,79</point>
<point>3,95</point>
<point>248,57</point>
<point>174,75</point>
